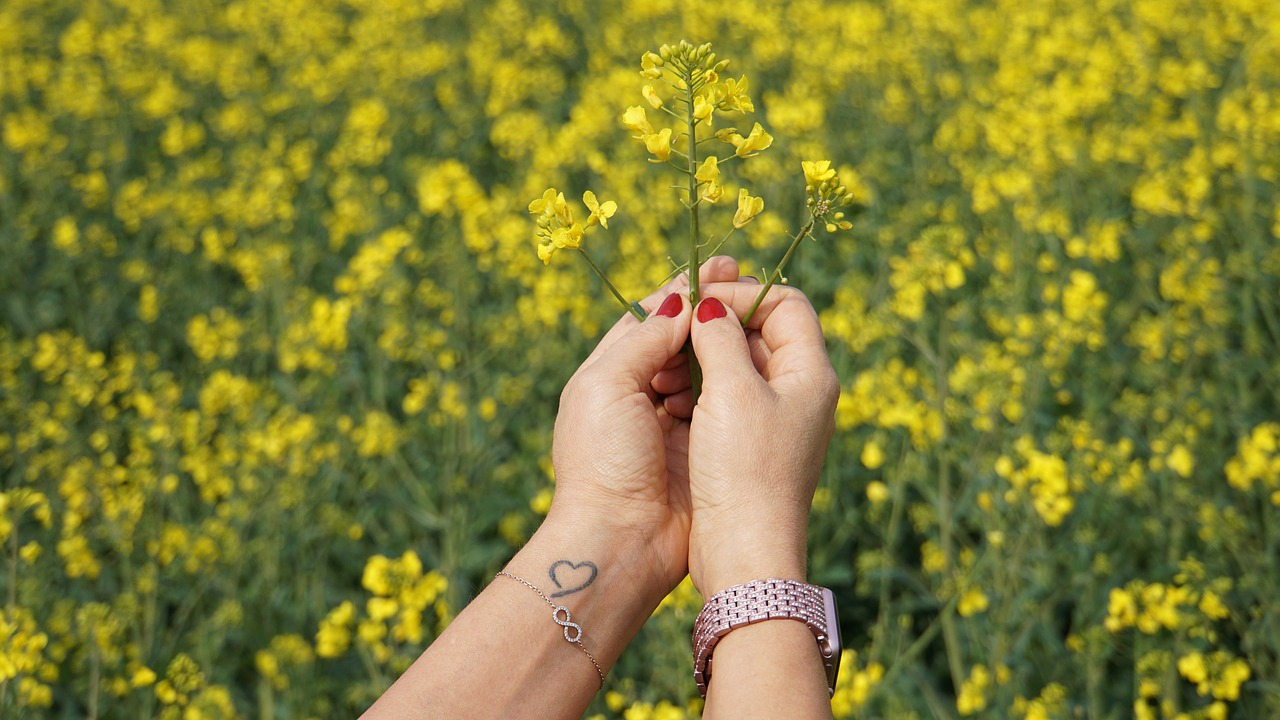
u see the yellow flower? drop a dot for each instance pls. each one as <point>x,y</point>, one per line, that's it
<point>540,205</point>
<point>702,108</point>
<point>545,249</point>
<point>600,212</point>
<point>816,173</point>
<point>143,677</point>
<point>872,455</point>
<point>659,144</point>
<point>567,237</point>
<point>973,602</point>
<point>709,171</point>
<point>753,143</point>
<point>732,95</point>
<point>651,96</point>
<point>878,492</point>
<point>635,120</point>
<point>650,63</point>
<point>711,192</point>
<point>748,208</point>
<point>552,205</point>
<point>709,175</point>
<point>1181,461</point>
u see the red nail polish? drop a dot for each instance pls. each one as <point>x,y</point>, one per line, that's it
<point>710,309</point>
<point>672,306</point>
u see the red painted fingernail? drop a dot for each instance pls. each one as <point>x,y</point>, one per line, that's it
<point>672,306</point>
<point>710,309</point>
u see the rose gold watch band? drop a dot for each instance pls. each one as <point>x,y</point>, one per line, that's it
<point>760,600</point>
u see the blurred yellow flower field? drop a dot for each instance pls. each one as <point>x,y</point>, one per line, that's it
<point>279,356</point>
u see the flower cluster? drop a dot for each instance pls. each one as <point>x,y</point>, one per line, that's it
<point>556,227</point>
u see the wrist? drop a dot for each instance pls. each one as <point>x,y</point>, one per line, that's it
<point>716,566</point>
<point>601,581</point>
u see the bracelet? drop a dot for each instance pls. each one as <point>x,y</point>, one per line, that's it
<point>769,599</point>
<point>572,630</point>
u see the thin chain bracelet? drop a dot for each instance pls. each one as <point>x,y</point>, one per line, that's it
<point>576,637</point>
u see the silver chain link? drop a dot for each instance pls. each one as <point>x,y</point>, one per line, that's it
<point>576,639</point>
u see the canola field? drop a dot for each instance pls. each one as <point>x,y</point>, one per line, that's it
<point>279,358</point>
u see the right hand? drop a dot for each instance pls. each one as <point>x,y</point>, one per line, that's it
<point>758,436</point>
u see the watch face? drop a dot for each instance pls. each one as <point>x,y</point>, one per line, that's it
<point>831,648</point>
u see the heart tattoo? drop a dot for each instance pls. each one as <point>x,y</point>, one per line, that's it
<point>571,577</point>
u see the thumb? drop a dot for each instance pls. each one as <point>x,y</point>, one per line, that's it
<point>721,346</point>
<point>639,354</point>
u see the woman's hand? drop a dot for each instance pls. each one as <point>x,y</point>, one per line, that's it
<point>620,457</point>
<point>759,435</point>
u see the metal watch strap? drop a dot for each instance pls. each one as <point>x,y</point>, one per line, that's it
<point>760,600</point>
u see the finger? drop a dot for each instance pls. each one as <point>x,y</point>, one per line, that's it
<point>634,359</point>
<point>670,382</point>
<point>721,347</point>
<point>784,316</point>
<point>760,352</point>
<point>718,269</point>
<point>679,405</point>
<point>677,361</point>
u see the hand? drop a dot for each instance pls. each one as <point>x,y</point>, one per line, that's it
<point>620,457</point>
<point>758,436</point>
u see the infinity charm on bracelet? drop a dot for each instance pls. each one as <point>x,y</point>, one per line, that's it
<point>574,638</point>
<point>577,629</point>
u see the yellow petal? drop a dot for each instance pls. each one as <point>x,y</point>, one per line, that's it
<point>709,171</point>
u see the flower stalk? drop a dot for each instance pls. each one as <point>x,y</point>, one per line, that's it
<point>631,307</point>
<point>776,275</point>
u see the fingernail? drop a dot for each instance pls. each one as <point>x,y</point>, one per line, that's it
<point>710,309</point>
<point>672,306</point>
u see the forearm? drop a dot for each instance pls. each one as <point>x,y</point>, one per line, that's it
<point>767,670</point>
<point>505,656</point>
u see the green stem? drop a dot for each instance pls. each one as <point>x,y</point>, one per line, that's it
<point>631,308</point>
<point>694,260</point>
<point>776,275</point>
<point>695,263</point>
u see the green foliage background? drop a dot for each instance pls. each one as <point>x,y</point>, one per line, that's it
<point>271,310</point>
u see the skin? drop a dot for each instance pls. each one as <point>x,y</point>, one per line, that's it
<point>640,481</point>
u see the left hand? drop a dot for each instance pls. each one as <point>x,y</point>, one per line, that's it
<point>620,458</point>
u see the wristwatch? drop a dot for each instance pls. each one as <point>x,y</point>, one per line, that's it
<point>769,599</point>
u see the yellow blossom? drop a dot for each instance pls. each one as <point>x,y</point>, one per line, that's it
<point>817,172</point>
<point>872,456</point>
<point>659,144</point>
<point>748,208</point>
<point>600,212</point>
<point>753,143</point>
<point>634,120</point>
<point>731,95</point>
<point>651,96</point>
<point>651,64</point>
<point>878,492</point>
<point>703,107</point>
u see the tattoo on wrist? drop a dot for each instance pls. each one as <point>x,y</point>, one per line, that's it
<point>570,577</point>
